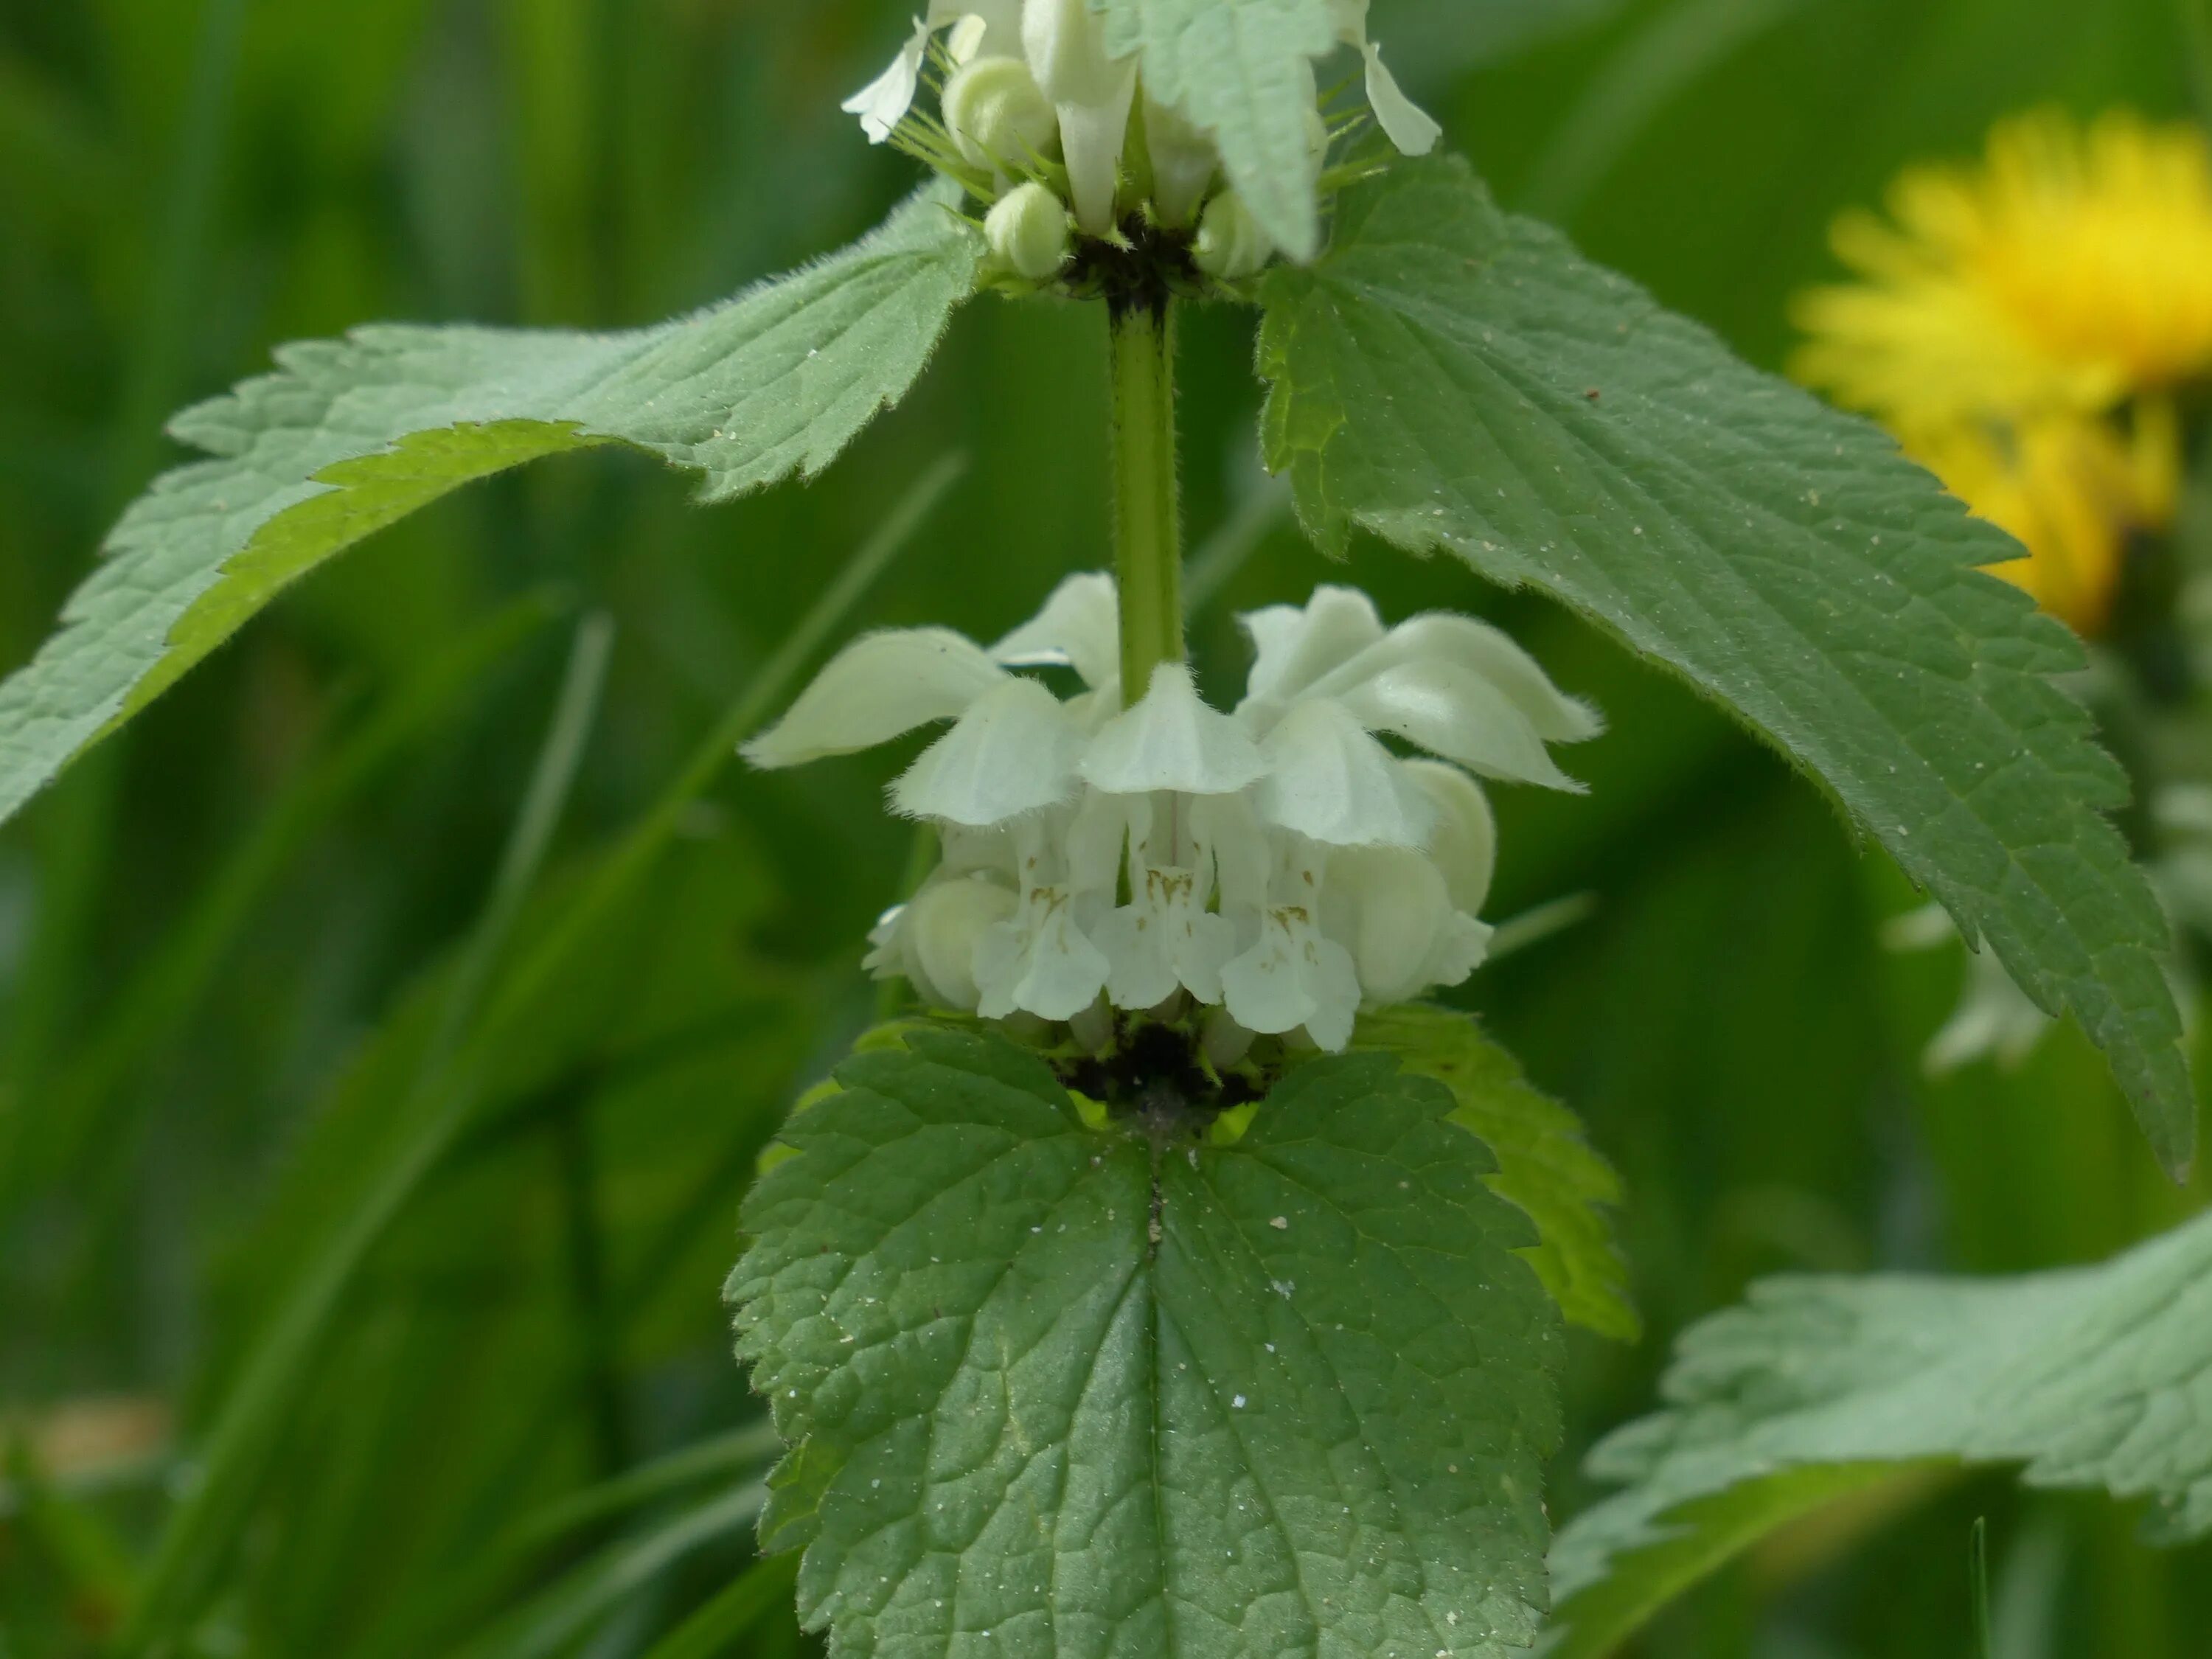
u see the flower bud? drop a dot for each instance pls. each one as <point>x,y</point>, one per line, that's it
<point>943,925</point>
<point>1028,231</point>
<point>1230,244</point>
<point>998,114</point>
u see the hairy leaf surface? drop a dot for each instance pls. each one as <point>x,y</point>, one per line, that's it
<point>1451,377</point>
<point>349,436</point>
<point>1546,1166</point>
<point>1242,69</point>
<point>1054,1391</point>
<point>2093,1377</point>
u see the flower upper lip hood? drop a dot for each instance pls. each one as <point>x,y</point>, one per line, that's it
<point>1328,673</point>
<point>1279,859</point>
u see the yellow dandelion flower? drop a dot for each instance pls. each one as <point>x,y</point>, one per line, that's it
<point>2069,271</point>
<point>2024,326</point>
<point>2071,489</point>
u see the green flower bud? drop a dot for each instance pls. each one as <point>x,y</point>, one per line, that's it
<point>1028,231</point>
<point>998,114</point>
<point>1230,244</point>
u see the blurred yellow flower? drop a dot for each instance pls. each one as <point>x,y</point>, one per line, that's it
<point>2022,326</point>
<point>2072,490</point>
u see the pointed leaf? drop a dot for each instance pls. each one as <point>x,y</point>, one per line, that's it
<point>1064,1391</point>
<point>1546,1166</point>
<point>349,436</point>
<point>1451,377</point>
<point>2093,1377</point>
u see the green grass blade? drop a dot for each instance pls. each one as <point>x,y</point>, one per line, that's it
<point>201,1532</point>
<point>86,1107</point>
<point>710,1633</point>
<point>726,1453</point>
<point>547,1623</point>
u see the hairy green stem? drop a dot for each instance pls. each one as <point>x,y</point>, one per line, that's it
<point>1147,505</point>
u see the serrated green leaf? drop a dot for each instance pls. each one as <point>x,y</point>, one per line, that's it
<point>1060,1393</point>
<point>349,436</point>
<point>1546,1166</point>
<point>2093,1377</point>
<point>1451,377</point>
<point>1242,70</point>
<point>1700,1538</point>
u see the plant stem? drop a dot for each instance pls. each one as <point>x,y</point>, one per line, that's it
<point>1147,507</point>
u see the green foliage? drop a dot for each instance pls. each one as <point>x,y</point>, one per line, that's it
<point>2090,1378</point>
<point>1546,1166</point>
<point>1091,1393</point>
<point>198,928</point>
<point>1452,377</point>
<point>348,438</point>
<point>1243,71</point>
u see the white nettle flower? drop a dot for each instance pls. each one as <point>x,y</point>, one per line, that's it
<point>1034,78</point>
<point>1404,122</point>
<point>1278,861</point>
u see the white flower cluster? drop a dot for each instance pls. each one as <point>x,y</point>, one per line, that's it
<point>1033,98</point>
<point>1278,862</point>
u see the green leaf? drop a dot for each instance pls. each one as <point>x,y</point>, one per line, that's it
<point>349,436</point>
<point>1700,1538</point>
<point>2093,1377</point>
<point>1242,70</point>
<point>1545,1164</point>
<point>1451,377</point>
<point>1094,1396</point>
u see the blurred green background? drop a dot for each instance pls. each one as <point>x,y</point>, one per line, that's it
<point>233,943</point>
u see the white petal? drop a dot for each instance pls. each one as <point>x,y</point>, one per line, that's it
<point>1079,628</point>
<point>878,688</point>
<point>1391,908</point>
<point>1039,962</point>
<point>1409,126</point>
<point>1000,21</point>
<point>1293,977</point>
<point>965,44</point>
<point>1224,831</point>
<point>944,926</point>
<point>1297,647</point>
<point>1185,159</point>
<point>1098,837</point>
<point>1450,709</point>
<point>1091,140</point>
<point>1164,938</point>
<point>1065,43</point>
<point>1171,740</point>
<point>964,852</point>
<point>889,958</point>
<point>1464,843</point>
<point>1446,637</point>
<point>1092,91</point>
<point>1011,753</point>
<point>882,103</point>
<point>1329,781</point>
